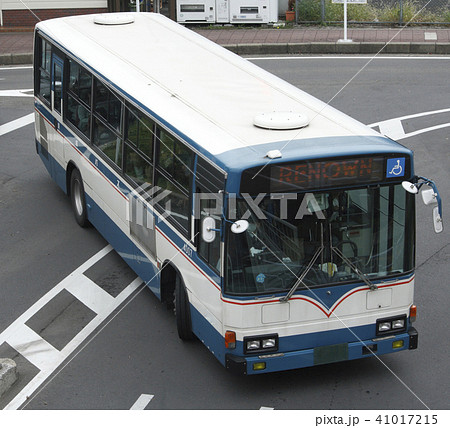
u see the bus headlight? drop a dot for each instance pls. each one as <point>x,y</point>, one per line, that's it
<point>253,345</point>
<point>260,343</point>
<point>391,325</point>
<point>384,326</point>
<point>398,324</point>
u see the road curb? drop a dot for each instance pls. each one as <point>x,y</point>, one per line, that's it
<point>8,374</point>
<point>316,48</point>
<point>16,59</point>
<point>322,48</point>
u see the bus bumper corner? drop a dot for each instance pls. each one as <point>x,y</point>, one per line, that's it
<point>413,338</point>
<point>236,364</point>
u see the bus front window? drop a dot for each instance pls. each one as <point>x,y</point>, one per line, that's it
<point>372,227</point>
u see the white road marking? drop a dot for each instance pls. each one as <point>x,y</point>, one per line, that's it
<point>393,128</point>
<point>16,92</point>
<point>37,350</point>
<point>16,124</point>
<point>357,57</point>
<point>142,402</point>
<point>266,408</point>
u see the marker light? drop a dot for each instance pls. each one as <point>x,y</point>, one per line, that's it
<point>413,313</point>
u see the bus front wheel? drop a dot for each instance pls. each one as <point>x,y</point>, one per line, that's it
<point>183,311</point>
<point>77,198</point>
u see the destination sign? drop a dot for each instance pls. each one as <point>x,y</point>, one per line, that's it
<point>304,175</point>
<point>327,173</point>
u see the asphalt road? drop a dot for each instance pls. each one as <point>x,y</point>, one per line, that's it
<point>136,349</point>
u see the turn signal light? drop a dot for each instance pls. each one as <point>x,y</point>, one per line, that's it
<point>230,339</point>
<point>413,313</point>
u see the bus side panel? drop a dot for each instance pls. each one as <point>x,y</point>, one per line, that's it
<point>123,245</point>
<point>46,137</point>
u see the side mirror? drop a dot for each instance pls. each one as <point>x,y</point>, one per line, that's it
<point>209,229</point>
<point>430,197</point>
<point>239,226</point>
<point>437,221</point>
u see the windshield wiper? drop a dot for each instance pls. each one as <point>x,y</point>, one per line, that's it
<point>339,253</point>
<point>355,269</point>
<point>300,279</point>
<point>302,276</point>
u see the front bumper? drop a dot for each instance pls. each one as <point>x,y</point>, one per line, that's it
<point>323,355</point>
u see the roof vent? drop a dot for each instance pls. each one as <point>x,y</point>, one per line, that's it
<point>114,18</point>
<point>273,154</point>
<point>281,120</point>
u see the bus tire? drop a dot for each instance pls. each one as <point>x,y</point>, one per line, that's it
<point>77,198</point>
<point>183,311</point>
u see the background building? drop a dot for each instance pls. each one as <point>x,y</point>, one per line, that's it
<point>26,13</point>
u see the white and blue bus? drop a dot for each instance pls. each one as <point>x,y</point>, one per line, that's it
<point>277,227</point>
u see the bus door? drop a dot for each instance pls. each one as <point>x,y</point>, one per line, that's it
<point>57,108</point>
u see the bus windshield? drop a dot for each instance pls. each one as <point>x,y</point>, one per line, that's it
<point>320,237</point>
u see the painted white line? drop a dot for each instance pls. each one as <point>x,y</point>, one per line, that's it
<point>16,93</point>
<point>424,130</point>
<point>89,293</point>
<point>16,124</point>
<point>393,128</point>
<point>142,402</point>
<point>413,116</point>
<point>266,408</point>
<point>357,57</point>
<point>38,351</point>
<point>32,346</point>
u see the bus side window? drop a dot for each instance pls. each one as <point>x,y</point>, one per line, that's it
<point>210,252</point>
<point>107,122</point>
<point>137,167</point>
<point>174,174</point>
<point>138,153</point>
<point>209,183</point>
<point>43,80</point>
<point>78,105</point>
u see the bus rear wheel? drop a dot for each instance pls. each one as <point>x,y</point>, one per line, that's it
<point>77,198</point>
<point>183,311</point>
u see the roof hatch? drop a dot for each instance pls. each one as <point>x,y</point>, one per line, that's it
<point>281,120</point>
<point>114,18</point>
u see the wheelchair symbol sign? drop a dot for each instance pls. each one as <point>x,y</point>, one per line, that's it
<point>395,168</point>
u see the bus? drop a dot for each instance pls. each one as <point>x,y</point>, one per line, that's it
<point>279,230</point>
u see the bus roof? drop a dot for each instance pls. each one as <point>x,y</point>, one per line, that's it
<point>205,93</point>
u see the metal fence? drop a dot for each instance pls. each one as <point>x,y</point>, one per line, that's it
<point>399,12</point>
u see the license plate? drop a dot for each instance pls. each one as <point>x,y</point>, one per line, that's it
<point>331,353</point>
